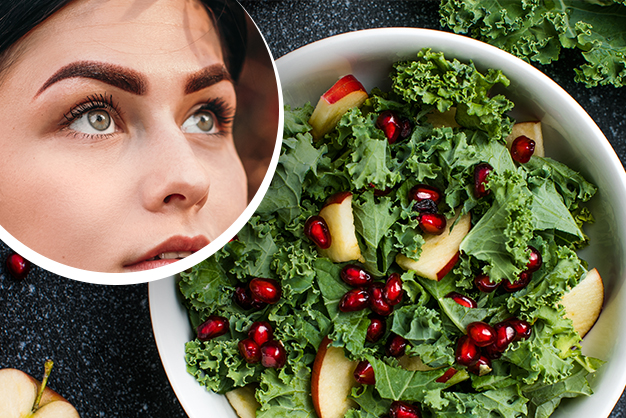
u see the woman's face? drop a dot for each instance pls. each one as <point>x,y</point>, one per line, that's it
<point>116,136</point>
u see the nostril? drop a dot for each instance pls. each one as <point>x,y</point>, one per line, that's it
<point>169,197</point>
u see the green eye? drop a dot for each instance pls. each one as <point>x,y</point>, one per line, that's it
<point>200,122</point>
<point>99,119</point>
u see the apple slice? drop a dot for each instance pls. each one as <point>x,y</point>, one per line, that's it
<point>531,130</point>
<point>584,302</point>
<point>337,212</point>
<point>332,380</point>
<point>439,252</point>
<point>345,94</point>
<point>243,401</point>
<point>442,120</point>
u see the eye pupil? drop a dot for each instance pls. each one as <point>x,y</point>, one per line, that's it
<point>205,121</point>
<point>99,119</point>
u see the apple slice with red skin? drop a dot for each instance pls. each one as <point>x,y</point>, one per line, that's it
<point>584,302</point>
<point>531,130</point>
<point>439,252</point>
<point>345,94</point>
<point>337,212</point>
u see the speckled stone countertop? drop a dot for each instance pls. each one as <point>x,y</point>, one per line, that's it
<point>106,360</point>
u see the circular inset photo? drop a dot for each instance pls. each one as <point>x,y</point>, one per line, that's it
<point>139,136</point>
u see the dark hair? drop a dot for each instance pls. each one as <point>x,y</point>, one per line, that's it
<point>18,17</point>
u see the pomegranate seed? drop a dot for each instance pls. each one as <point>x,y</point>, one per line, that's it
<point>521,282</point>
<point>522,149</point>
<point>317,230</point>
<point>354,275</point>
<point>467,353</point>
<point>249,350</point>
<point>400,409</point>
<point>354,300</point>
<point>273,354</point>
<point>214,326</point>
<point>446,376</point>
<point>505,334</point>
<point>484,283</point>
<point>261,332</point>
<point>462,300</point>
<point>523,329</point>
<point>396,346</point>
<point>18,266</point>
<point>432,223</point>
<point>245,300</point>
<point>364,373</point>
<point>535,261</point>
<point>377,301</point>
<point>481,172</point>
<point>378,192</point>
<point>481,333</point>
<point>481,367</point>
<point>389,123</point>
<point>376,330</point>
<point>491,352</point>
<point>392,292</point>
<point>265,290</point>
<point>405,128</point>
<point>425,192</point>
<point>425,206</point>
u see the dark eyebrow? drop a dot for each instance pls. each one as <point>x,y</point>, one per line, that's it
<point>206,77</point>
<point>114,75</point>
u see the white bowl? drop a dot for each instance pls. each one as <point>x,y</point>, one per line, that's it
<point>570,134</point>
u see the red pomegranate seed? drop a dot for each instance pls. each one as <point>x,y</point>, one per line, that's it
<point>481,367</point>
<point>400,409</point>
<point>535,260</point>
<point>389,123</point>
<point>316,229</point>
<point>377,301</point>
<point>484,283</point>
<point>481,172</point>
<point>245,300</point>
<point>354,275</point>
<point>521,282</point>
<point>396,346</point>
<point>446,376</point>
<point>376,330</point>
<point>354,300</point>
<point>273,354</point>
<point>425,192</point>
<point>522,149</point>
<point>432,223</point>
<point>462,300</point>
<point>481,333</point>
<point>250,350</point>
<point>405,128</point>
<point>505,334</point>
<point>523,329</point>
<point>18,266</point>
<point>491,352</point>
<point>261,332</point>
<point>467,353</point>
<point>265,290</point>
<point>364,373</point>
<point>392,292</point>
<point>214,326</point>
<point>378,192</point>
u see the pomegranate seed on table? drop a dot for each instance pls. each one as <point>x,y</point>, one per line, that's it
<point>396,346</point>
<point>432,223</point>
<point>447,375</point>
<point>354,275</point>
<point>467,353</point>
<point>535,261</point>
<point>522,149</point>
<point>261,332</point>
<point>523,329</point>
<point>273,354</point>
<point>245,300</point>
<point>250,350</point>
<point>522,281</point>
<point>481,333</point>
<point>484,283</point>
<point>462,300</point>
<point>481,172</point>
<point>389,122</point>
<point>364,373</point>
<point>392,292</point>
<point>316,229</point>
<point>481,367</point>
<point>17,266</point>
<point>377,301</point>
<point>375,330</point>
<point>425,192</point>
<point>354,300</point>
<point>425,206</point>
<point>505,335</point>
<point>400,409</point>
<point>212,327</point>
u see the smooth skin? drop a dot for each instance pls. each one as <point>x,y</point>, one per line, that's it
<point>99,188</point>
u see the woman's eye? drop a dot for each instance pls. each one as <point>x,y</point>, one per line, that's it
<point>202,122</point>
<point>97,121</point>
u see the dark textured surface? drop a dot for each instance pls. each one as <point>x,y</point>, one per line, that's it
<point>100,337</point>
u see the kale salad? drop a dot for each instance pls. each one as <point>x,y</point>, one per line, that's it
<point>488,331</point>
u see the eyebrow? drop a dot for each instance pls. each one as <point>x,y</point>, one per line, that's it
<point>206,77</point>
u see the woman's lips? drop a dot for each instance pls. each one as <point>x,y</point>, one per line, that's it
<point>168,252</point>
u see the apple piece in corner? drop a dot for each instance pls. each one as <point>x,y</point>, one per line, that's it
<point>584,302</point>
<point>332,380</point>
<point>439,252</point>
<point>337,212</point>
<point>531,130</point>
<point>345,94</point>
<point>243,401</point>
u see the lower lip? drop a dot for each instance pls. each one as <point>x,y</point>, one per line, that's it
<point>151,264</point>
